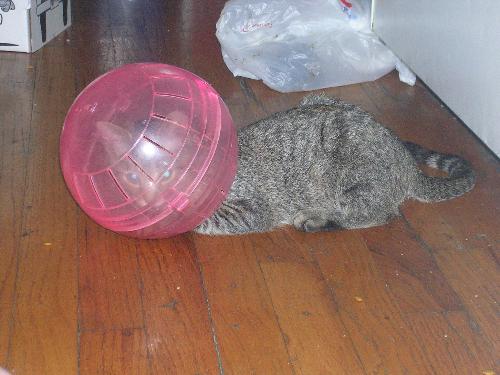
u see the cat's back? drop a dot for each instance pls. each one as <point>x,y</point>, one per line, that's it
<point>309,152</point>
<point>310,128</point>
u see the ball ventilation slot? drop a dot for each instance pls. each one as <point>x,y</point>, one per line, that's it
<point>140,168</point>
<point>113,177</point>
<point>172,95</point>
<point>99,199</point>
<point>157,145</point>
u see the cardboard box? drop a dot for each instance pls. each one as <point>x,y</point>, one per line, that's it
<point>26,25</point>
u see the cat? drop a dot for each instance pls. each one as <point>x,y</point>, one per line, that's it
<point>328,165</point>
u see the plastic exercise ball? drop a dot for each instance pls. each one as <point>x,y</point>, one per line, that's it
<point>148,150</point>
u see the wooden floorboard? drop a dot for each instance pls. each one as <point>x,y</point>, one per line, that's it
<point>243,314</point>
<point>370,313</point>
<point>109,281</point>
<point>17,93</point>
<point>417,296</point>
<point>44,305</point>
<point>120,351</point>
<point>315,334</point>
<point>180,335</point>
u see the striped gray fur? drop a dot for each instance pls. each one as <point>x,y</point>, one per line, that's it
<point>327,165</point>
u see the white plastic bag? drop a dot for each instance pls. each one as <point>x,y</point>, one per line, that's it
<point>299,45</point>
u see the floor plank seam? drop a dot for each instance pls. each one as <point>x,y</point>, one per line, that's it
<point>23,224</point>
<point>78,311</point>
<point>283,334</point>
<point>250,94</point>
<point>209,308</point>
<point>432,252</point>
<point>110,329</point>
<point>331,293</point>
<point>143,311</point>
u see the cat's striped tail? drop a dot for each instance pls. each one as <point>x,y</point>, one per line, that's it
<point>461,177</point>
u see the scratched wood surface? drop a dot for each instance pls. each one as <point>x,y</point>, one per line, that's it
<point>417,296</point>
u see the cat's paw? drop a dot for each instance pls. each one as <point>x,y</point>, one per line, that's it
<point>307,222</point>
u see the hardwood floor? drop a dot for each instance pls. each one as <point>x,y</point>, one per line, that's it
<point>417,296</point>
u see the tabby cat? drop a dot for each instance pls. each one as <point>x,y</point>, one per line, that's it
<point>327,165</point>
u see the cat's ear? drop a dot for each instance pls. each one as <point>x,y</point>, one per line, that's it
<point>113,140</point>
<point>111,133</point>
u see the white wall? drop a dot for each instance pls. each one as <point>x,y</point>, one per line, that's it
<point>454,47</point>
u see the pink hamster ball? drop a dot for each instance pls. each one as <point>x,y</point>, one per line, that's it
<point>149,150</point>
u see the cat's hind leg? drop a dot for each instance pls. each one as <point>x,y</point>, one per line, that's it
<point>367,204</point>
<point>359,206</point>
<point>314,221</point>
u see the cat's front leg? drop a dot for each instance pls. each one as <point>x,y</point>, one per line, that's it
<point>237,217</point>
